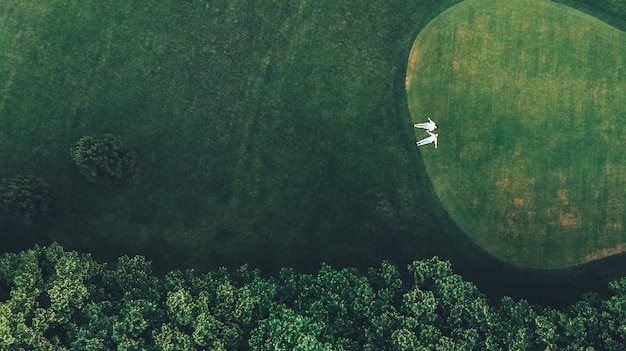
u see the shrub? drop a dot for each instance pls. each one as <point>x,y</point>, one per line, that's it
<point>25,198</point>
<point>104,159</point>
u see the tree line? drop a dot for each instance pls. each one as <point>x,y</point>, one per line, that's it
<point>53,299</point>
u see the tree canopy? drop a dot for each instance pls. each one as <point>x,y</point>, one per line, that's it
<point>52,299</point>
<point>104,159</point>
<point>25,198</point>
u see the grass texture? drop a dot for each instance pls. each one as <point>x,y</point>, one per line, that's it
<point>529,98</point>
<point>268,133</point>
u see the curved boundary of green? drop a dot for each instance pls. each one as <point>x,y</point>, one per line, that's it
<point>527,95</point>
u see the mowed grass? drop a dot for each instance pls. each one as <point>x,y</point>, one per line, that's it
<point>269,133</point>
<point>529,98</point>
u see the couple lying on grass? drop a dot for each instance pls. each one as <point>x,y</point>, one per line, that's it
<point>429,127</point>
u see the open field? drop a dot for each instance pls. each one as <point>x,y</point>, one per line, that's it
<point>270,133</point>
<point>529,96</point>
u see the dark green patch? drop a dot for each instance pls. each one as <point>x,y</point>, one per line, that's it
<point>267,133</point>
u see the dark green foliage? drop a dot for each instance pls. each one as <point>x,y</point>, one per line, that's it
<point>104,159</point>
<point>60,300</point>
<point>286,330</point>
<point>25,198</point>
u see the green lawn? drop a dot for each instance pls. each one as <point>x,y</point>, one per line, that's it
<point>529,98</point>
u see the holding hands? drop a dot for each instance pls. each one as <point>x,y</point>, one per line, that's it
<point>429,127</point>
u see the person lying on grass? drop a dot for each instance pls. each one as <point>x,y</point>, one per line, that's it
<point>431,139</point>
<point>429,126</point>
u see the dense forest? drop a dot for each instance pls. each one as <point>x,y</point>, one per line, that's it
<point>53,299</point>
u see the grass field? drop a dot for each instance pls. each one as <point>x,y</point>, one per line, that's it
<point>529,97</point>
<point>269,133</point>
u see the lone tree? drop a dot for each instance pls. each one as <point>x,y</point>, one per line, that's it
<point>25,198</point>
<point>104,159</point>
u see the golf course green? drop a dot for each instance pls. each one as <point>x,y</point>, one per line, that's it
<point>529,99</point>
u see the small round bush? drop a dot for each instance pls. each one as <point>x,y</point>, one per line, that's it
<point>25,198</point>
<point>104,159</point>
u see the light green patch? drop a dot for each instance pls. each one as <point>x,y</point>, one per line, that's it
<point>528,96</point>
